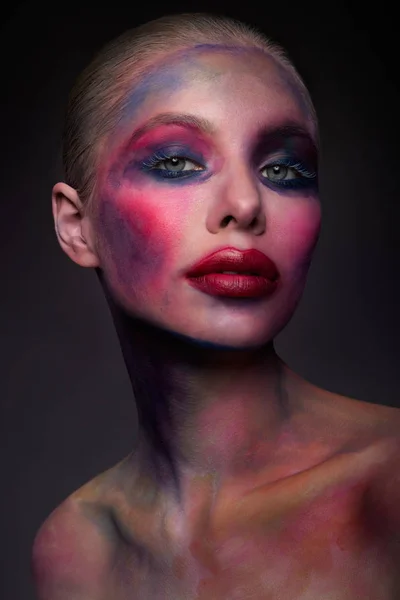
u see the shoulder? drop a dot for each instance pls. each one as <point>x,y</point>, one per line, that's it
<point>376,435</point>
<point>73,550</point>
<point>371,432</point>
<point>344,420</point>
<point>384,490</point>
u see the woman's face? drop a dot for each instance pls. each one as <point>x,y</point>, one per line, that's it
<point>245,177</point>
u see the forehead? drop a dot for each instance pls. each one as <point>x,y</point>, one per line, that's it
<point>227,84</point>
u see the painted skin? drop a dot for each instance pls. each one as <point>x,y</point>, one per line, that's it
<point>262,486</point>
<point>157,227</point>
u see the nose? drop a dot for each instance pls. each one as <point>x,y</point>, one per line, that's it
<point>237,203</point>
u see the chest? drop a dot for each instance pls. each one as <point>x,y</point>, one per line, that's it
<point>332,547</point>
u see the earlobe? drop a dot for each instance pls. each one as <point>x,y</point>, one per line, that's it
<point>73,229</point>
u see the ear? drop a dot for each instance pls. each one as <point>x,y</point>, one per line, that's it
<point>73,227</point>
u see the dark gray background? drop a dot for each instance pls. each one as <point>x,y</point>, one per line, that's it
<point>66,407</point>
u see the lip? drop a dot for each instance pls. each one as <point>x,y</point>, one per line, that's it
<point>255,275</point>
<point>232,259</point>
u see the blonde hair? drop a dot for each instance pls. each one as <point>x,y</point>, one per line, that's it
<point>98,96</point>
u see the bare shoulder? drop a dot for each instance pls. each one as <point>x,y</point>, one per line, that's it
<point>73,550</point>
<point>384,490</point>
<point>347,420</point>
<point>373,432</point>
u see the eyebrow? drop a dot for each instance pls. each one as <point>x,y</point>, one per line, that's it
<point>286,131</point>
<point>182,119</point>
<point>280,131</point>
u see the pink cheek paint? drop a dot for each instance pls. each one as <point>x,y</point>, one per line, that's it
<point>137,242</point>
<point>141,229</point>
<point>296,232</point>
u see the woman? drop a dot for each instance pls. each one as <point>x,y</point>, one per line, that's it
<point>190,153</point>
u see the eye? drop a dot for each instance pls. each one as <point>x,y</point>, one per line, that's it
<point>176,164</point>
<point>279,172</point>
<point>288,173</point>
<point>165,164</point>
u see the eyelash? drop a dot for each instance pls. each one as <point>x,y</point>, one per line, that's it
<point>150,164</point>
<point>305,177</point>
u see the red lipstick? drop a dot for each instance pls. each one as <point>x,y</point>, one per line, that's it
<point>251,274</point>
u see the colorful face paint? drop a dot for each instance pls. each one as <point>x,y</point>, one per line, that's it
<point>204,141</point>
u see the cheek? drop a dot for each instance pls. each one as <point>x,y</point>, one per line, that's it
<point>139,232</point>
<point>296,234</point>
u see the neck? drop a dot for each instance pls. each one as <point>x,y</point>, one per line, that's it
<point>203,409</point>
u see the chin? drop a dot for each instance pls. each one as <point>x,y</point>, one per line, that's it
<point>246,331</point>
<point>222,342</point>
<point>223,327</point>
<point>232,337</point>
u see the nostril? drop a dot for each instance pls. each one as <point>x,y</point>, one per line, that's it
<point>225,221</point>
